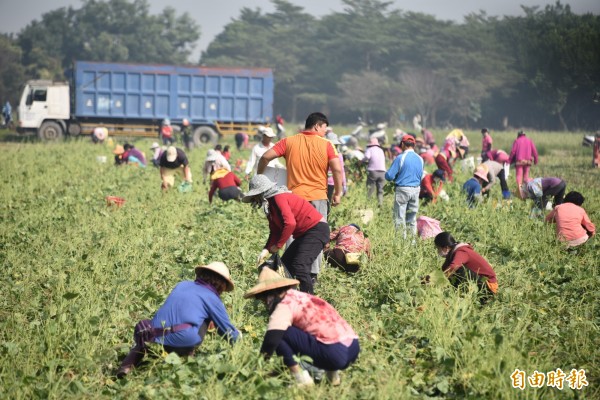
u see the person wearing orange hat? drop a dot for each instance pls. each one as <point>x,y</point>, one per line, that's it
<point>181,322</point>
<point>303,324</point>
<point>472,187</point>
<point>119,151</point>
<point>406,172</point>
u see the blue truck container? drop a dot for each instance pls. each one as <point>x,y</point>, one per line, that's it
<point>155,92</point>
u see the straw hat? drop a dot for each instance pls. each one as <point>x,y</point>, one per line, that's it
<point>481,173</point>
<point>155,145</point>
<point>119,150</point>
<point>258,185</point>
<point>171,153</point>
<point>269,280</point>
<point>221,269</point>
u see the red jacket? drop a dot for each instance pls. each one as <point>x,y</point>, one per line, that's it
<point>464,255</point>
<point>427,187</point>
<point>228,180</point>
<point>289,215</point>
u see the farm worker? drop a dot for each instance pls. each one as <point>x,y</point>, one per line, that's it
<point>333,138</point>
<point>300,323</point>
<point>431,186</point>
<point>309,157</point>
<point>350,244</point>
<point>7,113</point>
<point>172,162</point>
<point>156,153</point>
<point>186,134</point>
<point>280,128</point>
<point>442,159</point>
<point>496,155</point>
<point>539,189</point>
<point>472,187</point>
<point>226,153</point>
<point>118,152</point>
<point>375,160</point>
<point>464,263</point>
<point>180,324</point>
<point>428,137</point>
<point>212,157</point>
<point>596,151</point>
<point>227,183</point>
<point>522,154</point>
<point>486,142</point>
<point>241,140</point>
<point>134,156</point>
<point>573,226</point>
<point>424,151</point>
<point>406,172</point>
<point>495,170</point>
<point>166,132</point>
<point>289,214</point>
<point>274,170</point>
<point>99,134</point>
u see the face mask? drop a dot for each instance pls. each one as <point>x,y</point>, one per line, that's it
<point>442,254</point>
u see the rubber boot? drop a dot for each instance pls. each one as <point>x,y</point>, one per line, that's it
<point>506,194</point>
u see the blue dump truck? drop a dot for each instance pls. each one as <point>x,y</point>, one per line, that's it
<point>133,100</point>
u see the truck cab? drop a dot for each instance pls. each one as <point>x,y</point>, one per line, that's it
<point>44,109</point>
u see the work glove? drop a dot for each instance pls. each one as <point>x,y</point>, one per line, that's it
<point>264,254</point>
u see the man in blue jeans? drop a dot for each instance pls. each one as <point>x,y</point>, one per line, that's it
<point>406,172</point>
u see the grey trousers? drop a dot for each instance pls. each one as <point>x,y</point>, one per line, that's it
<point>375,179</point>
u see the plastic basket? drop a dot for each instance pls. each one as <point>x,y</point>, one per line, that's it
<point>115,201</point>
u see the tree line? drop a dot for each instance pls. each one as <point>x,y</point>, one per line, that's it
<point>540,70</point>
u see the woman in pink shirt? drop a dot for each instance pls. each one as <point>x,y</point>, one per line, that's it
<point>573,226</point>
<point>522,154</point>
<point>486,142</point>
<point>300,323</point>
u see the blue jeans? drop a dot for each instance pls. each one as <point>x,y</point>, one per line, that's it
<point>406,206</point>
<point>330,357</point>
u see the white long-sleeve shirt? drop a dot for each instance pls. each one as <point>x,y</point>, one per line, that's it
<point>257,151</point>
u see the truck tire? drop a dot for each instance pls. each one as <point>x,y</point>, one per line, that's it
<point>74,130</point>
<point>50,131</point>
<point>204,134</point>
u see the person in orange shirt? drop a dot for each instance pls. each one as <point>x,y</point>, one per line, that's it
<point>573,226</point>
<point>428,193</point>
<point>309,157</point>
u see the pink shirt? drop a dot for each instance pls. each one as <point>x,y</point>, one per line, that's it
<point>314,316</point>
<point>572,223</point>
<point>523,149</point>
<point>486,142</point>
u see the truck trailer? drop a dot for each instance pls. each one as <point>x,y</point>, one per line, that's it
<point>133,100</point>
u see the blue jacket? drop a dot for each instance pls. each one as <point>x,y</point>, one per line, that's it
<point>406,169</point>
<point>194,304</point>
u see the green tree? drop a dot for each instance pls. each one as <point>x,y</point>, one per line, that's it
<point>11,71</point>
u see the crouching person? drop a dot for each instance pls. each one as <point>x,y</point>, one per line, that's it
<point>182,321</point>
<point>303,324</point>
<point>350,245</point>
<point>463,263</point>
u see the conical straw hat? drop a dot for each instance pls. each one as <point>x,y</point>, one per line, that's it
<point>221,269</point>
<point>269,280</point>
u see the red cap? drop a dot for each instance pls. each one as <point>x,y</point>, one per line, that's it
<point>408,138</point>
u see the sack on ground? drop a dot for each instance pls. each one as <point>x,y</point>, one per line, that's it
<point>428,227</point>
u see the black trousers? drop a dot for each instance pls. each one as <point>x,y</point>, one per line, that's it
<point>300,255</point>
<point>230,193</point>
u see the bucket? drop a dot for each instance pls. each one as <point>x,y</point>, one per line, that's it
<point>101,159</point>
<point>115,201</point>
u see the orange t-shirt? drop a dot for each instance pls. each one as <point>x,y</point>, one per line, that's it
<point>307,157</point>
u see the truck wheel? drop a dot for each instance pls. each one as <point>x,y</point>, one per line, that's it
<point>205,134</point>
<point>74,130</point>
<point>50,131</point>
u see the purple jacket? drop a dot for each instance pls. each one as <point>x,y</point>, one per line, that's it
<point>523,149</point>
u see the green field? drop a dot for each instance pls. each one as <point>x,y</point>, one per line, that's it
<point>78,275</point>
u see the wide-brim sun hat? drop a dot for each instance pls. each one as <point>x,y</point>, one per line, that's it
<point>171,153</point>
<point>373,142</point>
<point>269,280</point>
<point>211,155</point>
<point>481,173</point>
<point>119,150</point>
<point>155,145</point>
<point>221,269</point>
<point>258,185</point>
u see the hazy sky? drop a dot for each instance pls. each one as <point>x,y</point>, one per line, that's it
<point>212,15</point>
